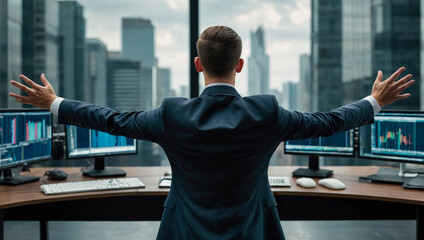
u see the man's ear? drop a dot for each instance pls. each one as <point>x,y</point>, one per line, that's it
<point>240,64</point>
<point>198,64</point>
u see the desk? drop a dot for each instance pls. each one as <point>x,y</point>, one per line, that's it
<point>359,201</point>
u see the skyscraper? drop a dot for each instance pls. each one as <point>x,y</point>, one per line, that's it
<point>183,91</point>
<point>124,84</point>
<point>40,40</point>
<point>138,41</point>
<point>290,96</point>
<point>304,87</point>
<point>258,72</point>
<point>356,55</point>
<point>326,49</point>
<point>72,55</point>
<point>163,85</point>
<point>10,49</point>
<point>353,39</point>
<point>138,45</point>
<point>341,51</point>
<point>96,63</point>
<point>397,43</point>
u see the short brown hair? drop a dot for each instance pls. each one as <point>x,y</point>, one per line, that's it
<point>219,49</point>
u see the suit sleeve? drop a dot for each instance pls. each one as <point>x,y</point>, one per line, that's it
<point>144,125</point>
<point>296,125</point>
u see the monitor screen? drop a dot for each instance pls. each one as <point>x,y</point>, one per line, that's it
<point>395,136</point>
<point>337,144</point>
<point>25,136</point>
<point>83,142</point>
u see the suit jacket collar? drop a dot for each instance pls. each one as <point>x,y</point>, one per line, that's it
<point>220,89</point>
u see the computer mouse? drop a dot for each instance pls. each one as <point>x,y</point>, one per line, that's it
<point>332,183</point>
<point>56,174</point>
<point>306,182</point>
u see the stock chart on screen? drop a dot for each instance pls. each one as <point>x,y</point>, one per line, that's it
<point>83,142</point>
<point>397,136</point>
<point>337,144</point>
<point>25,136</point>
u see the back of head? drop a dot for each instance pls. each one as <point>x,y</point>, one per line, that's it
<point>219,49</point>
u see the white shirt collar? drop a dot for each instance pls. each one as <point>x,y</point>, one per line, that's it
<point>219,84</point>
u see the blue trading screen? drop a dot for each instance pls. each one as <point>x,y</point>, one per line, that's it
<point>25,136</point>
<point>397,136</point>
<point>337,144</point>
<point>83,142</point>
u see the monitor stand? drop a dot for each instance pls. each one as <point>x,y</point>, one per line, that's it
<point>100,170</point>
<point>8,179</point>
<point>387,175</point>
<point>313,170</point>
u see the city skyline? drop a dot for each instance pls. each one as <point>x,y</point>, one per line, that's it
<point>286,25</point>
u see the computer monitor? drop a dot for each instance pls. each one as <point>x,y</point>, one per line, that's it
<point>25,138</point>
<point>340,144</point>
<point>83,143</point>
<point>394,136</point>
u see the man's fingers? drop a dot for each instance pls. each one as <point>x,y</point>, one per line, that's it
<point>29,81</point>
<point>379,76</point>
<point>23,101</point>
<point>19,98</point>
<point>21,86</point>
<point>396,74</point>
<point>44,80</point>
<point>403,80</point>
<point>405,86</point>
<point>403,96</point>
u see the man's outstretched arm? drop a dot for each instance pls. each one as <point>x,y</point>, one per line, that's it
<point>146,125</point>
<point>296,125</point>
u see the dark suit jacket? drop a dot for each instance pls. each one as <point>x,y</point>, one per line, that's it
<point>219,146</point>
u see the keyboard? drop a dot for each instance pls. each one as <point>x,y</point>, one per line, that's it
<point>91,185</point>
<point>279,181</point>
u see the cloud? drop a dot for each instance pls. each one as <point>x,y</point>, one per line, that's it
<point>300,13</point>
<point>165,39</point>
<point>266,14</point>
<point>177,4</point>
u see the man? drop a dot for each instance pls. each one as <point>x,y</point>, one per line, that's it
<point>218,144</point>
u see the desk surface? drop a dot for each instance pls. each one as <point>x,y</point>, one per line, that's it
<point>30,193</point>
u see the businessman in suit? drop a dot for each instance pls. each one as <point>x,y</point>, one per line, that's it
<point>219,144</point>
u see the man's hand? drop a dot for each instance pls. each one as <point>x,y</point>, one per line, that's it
<point>389,91</point>
<point>39,96</point>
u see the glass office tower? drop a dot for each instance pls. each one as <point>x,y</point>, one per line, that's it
<point>304,87</point>
<point>124,84</point>
<point>396,35</point>
<point>356,58</point>
<point>138,41</point>
<point>40,40</point>
<point>290,93</point>
<point>341,49</point>
<point>258,68</point>
<point>96,71</point>
<point>72,56</point>
<point>138,45</point>
<point>353,39</point>
<point>163,85</point>
<point>10,49</point>
<point>326,51</point>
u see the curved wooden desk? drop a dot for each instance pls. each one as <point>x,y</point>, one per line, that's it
<point>358,201</point>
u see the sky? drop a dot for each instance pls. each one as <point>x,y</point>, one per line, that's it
<point>286,24</point>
